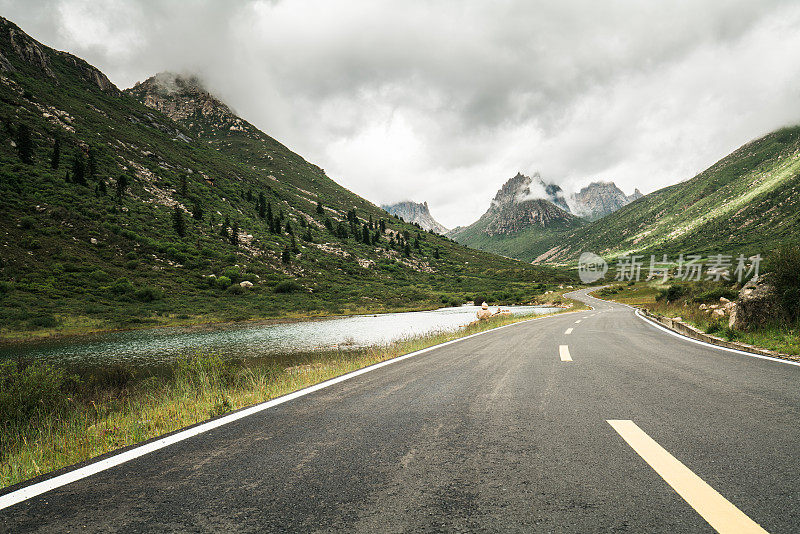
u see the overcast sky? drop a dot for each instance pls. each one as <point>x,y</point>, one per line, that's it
<point>444,101</point>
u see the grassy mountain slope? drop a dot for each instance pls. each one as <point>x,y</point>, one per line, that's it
<point>748,203</point>
<point>79,256</point>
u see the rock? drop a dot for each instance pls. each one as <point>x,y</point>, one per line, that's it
<point>757,305</point>
<point>719,313</point>
<point>484,312</point>
<point>723,300</point>
<point>246,284</point>
<point>93,241</point>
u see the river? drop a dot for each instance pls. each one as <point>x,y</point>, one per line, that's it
<point>161,345</point>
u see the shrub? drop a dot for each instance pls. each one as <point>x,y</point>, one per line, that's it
<point>235,289</point>
<point>287,286</point>
<point>121,287</point>
<point>713,295</point>
<point>45,320</point>
<point>27,222</point>
<point>233,273</point>
<point>223,282</point>
<point>671,294</point>
<point>100,275</point>
<point>785,268</point>
<point>148,294</point>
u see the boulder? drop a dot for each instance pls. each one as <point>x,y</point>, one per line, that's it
<point>484,312</point>
<point>757,305</point>
<point>246,284</point>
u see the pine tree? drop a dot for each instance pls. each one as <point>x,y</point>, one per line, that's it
<point>269,212</point>
<point>91,167</point>
<point>295,250</point>
<point>184,187</point>
<point>328,225</point>
<point>365,235</point>
<point>78,169</point>
<point>224,230</point>
<point>177,221</point>
<point>416,243</point>
<point>289,229</point>
<point>308,237</point>
<point>235,235</point>
<point>197,212</point>
<point>376,237</point>
<point>262,208</point>
<point>101,187</point>
<point>436,253</point>
<point>407,251</point>
<point>383,226</point>
<point>286,256</point>
<point>67,177</point>
<point>122,184</point>
<point>25,144</point>
<point>249,195</point>
<point>56,157</point>
<point>320,209</point>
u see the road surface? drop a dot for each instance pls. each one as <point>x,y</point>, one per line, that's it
<point>592,421</point>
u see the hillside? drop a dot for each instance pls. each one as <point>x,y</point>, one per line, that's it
<point>116,214</point>
<point>414,212</point>
<point>525,211</point>
<point>746,203</point>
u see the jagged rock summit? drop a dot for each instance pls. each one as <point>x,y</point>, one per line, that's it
<point>414,212</point>
<point>599,199</point>
<point>185,99</point>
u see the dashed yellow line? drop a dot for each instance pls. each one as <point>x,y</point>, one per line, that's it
<point>723,516</point>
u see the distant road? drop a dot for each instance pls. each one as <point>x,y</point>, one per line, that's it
<point>591,421</point>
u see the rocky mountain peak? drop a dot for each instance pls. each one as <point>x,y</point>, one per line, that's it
<point>415,212</point>
<point>600,198</point>
<point>523,188</point>
<point>18,50</point>
<point>185,99</point>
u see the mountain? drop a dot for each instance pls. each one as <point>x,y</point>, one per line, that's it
<point>598,199</point>
<point>414,212</point>
<point>524,211</point>
<point>149,206</point>
<point>746,203</point>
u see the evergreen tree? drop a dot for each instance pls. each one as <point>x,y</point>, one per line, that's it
<point>376,237</point>
<point>383,226</point>
<point>320,209</point>
<point>262,208</point>
<point>407,251</point>
<point>289,229</point>
<point>328,225</point>
<point>249,195</point>
<point>25,144</point>
<point>184,186</point>
<point>101,187</point>
<point>286,256</point>
<point>436,253</point>
<point>416,243</point>
<point>91,167</point>
<point>122,185</point>
<point>365,237</point>
<point>197,212</point>
<point>56,157</point>
<point>235,234</point>
<point>78,169</point>
<point>308,237</point>
<point>224,230</point>
<point>177,221</point>
<point>67,177</point>
<point>295,250</point>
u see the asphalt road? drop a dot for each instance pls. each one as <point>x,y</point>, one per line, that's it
<point>494,433</point>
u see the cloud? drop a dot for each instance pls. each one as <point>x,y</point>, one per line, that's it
<point>444,101</point>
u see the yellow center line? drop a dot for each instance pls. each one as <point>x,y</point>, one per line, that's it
<point>568,331</point>
<point>723,516</point>
<point>563,351</point>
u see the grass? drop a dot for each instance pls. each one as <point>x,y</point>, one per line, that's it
<point>53,417</point>
<point>784,338</point>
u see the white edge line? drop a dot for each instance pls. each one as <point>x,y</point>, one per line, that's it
<point>28,492</point>
<point>687,338</point>
<point>711,345</point>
